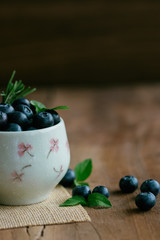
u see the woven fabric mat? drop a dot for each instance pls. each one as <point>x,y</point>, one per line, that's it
<point>46,212</point>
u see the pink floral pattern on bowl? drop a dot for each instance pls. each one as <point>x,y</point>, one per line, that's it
<point>24,149</point>
<point>59,171</point>
<point>54,146</point>
<point>17,177</point>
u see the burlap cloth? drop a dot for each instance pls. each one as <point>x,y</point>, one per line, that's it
<point>47,212</point>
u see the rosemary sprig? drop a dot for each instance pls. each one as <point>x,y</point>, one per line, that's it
<point>15,90</point>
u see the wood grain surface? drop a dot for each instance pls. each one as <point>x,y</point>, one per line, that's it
<point>120,130</point>
<point>80,41</point>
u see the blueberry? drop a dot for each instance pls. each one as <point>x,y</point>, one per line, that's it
<point>3,120</point>
<point>31,128</point>
<point>68,179</point>
<point>13,127</point>
<point>21,101</point>
<point>150,185</point>
<point>145,201</point>
<point>55,116</point>
<point>43,120</point>
<point>32,107</point>
<point>24,109</point>
<point>128,184</point>
<point>6,108</point>
<point>19,118</point>
<point>102,190</point>
<point>81,190</point>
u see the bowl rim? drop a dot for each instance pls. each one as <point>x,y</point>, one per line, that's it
<point>42,130</point>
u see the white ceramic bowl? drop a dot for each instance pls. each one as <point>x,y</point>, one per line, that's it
<point>32,163</point>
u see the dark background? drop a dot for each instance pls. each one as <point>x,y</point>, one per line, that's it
<point>80,42</point>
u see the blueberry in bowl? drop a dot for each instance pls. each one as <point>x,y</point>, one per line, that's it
<point>13,127</point>
<point>24,109</point>
<point>19,118</point>
<point>43,120</point>
<point>55,116</point>
<point>6,108</point>
<point>20,101</point>
<point>3,120</point>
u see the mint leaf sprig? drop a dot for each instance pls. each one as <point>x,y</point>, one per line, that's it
<point>15,90</point>
<point>82,171</point>
<point>73,201</point>
<point>95,200</point>
<point>40,107</point>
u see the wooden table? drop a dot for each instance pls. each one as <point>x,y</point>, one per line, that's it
<point>120,130</point>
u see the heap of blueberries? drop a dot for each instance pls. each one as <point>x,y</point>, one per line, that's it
<point>128,184</point>
<point>21,116</point>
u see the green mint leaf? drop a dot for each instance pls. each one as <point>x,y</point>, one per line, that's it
<point>73,201</point>
<point>38,105</point>
<point>98,200</point>
<point>83,170</point>
<point>59,107</point>
<point>80,183</point>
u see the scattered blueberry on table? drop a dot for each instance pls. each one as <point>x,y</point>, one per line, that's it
<point>150,185</point>
<point>81,193</point>
<point>81,190</point>
<point>68,179</point>
<point>145,201</point>
<point>128,184</point>
<point>149,190</point>
<point>102,190</point>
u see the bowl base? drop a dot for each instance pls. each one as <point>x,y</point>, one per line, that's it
<point>11,202</point>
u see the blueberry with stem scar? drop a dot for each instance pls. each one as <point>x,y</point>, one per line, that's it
<point>145,201</point>
<point>128,184</point>
<point>24,109</point>
<point>43,120</point>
